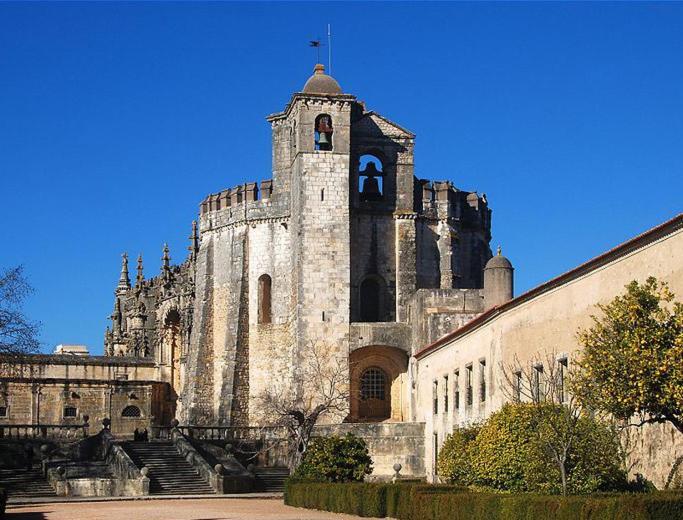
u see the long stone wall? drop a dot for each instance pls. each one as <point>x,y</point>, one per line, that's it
<point>388,444</point>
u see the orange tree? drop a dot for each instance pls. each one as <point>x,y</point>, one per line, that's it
<point>632,361</point>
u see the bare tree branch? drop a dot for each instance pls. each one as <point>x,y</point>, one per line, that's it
<point>18,335</point>
<point>320,387</point>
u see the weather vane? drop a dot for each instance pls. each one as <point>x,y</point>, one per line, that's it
<point>318,43</point>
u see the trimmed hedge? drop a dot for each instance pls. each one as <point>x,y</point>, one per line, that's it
<point>427,502</point>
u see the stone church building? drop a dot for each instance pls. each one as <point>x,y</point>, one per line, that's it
<point>345,247</point>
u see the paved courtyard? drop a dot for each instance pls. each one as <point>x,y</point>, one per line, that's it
<point>187,509</point>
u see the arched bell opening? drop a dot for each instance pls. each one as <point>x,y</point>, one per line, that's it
<point>378,375</point>
<point>323,133</point>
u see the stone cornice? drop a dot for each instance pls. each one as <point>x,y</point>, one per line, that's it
<point>343,98</point>
<point>246,222</point>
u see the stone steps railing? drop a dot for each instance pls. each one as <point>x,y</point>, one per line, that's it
<point>224,433</point>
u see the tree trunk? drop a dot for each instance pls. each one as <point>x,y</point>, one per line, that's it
<point>563,473</point>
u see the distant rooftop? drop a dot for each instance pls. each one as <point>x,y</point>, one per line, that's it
<point>73,350</point>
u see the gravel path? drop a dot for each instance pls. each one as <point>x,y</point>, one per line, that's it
<point>187,509</point>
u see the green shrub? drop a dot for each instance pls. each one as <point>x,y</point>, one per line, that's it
<point>425,502</point>
<point>510,452</point>
<point>335,459</point>
<point>454,460</point>
<point>357,498</point>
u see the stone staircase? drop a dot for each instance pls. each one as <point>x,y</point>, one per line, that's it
<point>169,472</point>
<point>270,479</point>
<point>25,483</point>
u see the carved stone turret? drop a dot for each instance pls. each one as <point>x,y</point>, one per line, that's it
<point>140,277</point>
<point>124,280</point>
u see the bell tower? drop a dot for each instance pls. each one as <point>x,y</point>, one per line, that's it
<point>312,162</point>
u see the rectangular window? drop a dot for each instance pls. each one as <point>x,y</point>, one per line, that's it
<point>517,386</point>
<point>3,411</point>
<point>70,412</point>
<point>445,394</point>
<point>468,384</point>
<point>539,390</point>
<point>561,375</point>
<point>435,436</point>
<point>482,380</point>
<point>435,397</point>
<point>456,386</point>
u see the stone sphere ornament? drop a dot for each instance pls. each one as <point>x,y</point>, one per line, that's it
<point>397,476</point>
<point>144,471</point>
<point>219,469</point>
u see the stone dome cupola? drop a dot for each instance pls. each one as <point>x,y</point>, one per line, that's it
<point>498,261</point>
<point>321,83</point>
<point>498,281</point>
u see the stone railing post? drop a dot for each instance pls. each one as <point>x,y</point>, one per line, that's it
<point>144,480</point>
<point>86,425</point>
<point>397,476</point>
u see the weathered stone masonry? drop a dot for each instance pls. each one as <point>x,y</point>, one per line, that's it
<point>348,245</point>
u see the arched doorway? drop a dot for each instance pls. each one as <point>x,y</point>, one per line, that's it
<point>377,383</point>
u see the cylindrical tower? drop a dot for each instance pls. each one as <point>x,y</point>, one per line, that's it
<point>498,281</point>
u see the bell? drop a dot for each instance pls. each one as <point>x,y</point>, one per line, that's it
<point>324,125</point>
<point>371,190</point>
<point>322,139</point>
<point>371,170</point>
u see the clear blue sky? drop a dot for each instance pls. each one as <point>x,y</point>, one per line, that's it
<point>117,119</point>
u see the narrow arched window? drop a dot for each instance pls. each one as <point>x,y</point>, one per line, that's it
<point>131,411</point>
<point>370,300</point>
<point>323,132</point>
<point>373,384</point>
<point>264,299</point>
<point>370,178</point>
